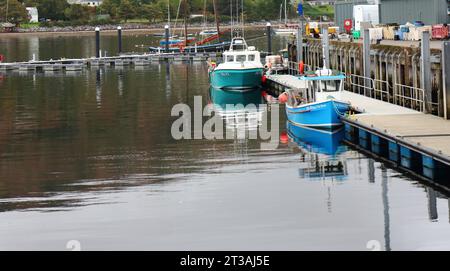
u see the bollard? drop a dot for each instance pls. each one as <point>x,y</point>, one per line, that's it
<point>166,34</point>
<point>119,37</point>
<point>97,42</point>
<point>269,38</point>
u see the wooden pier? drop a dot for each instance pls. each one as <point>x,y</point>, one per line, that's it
<point>118,61</point>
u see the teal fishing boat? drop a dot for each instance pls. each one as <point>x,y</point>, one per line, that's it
<point>240,70</point>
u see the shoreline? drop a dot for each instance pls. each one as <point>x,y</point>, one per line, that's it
<point>109,31</point>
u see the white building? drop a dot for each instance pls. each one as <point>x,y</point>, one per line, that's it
<point>91,3</point>
<point>33,15</point>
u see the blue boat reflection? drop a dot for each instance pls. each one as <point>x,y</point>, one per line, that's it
<point>317,140</point>
<point>321,151</point>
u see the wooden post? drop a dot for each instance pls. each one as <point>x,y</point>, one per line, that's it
<point>326,48</point>
<point>166,34</point>
<point>269,38</point>
<point>97,42</point>
<point>119,37</point>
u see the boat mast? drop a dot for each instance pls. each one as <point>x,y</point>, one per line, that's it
<point>231,18</point>
<point>242,15</point>
<point>168,14</point>
<point>7,7</point>
<point>281,12</point>
<point>285,12</point>
<point>216,16</point>
<point>185,23</point>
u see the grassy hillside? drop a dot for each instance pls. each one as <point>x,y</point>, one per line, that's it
<point>316,11</point>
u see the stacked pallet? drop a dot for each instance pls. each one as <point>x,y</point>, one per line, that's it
<point>415,33</point>
<point>389,32</point>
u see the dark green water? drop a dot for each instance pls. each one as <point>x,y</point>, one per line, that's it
<point>89,156</point>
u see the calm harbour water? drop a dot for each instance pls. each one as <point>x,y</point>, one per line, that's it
<point>89,156</point>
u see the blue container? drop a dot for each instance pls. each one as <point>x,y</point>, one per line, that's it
<point>428,167</point>
<point>410,159</point>
<point>393,151</point>
<point>364,139</point>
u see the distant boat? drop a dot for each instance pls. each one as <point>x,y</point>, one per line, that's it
<point>316,105</point>
<point>209,32</point>
<point>216,47</point>
<point>241,68</point>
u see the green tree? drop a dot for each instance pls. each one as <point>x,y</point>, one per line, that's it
<point>52,9</point>
<point>16,12</point>
<point>127,10</point>
<point>78,12</point>
<point>151,12</point>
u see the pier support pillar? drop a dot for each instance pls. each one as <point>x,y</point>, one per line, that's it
<point>97,42</point>
<point>432,204</point>
<point>166,35</point>
<point>300,42</point>
<point>326,48</point>
<point>366,60</point>
<point>119,37</point>
<point>446,77</point>
<point>269,38</point>
<point>425,71</point>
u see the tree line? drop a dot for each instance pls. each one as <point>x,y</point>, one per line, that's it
<point>151,11</point>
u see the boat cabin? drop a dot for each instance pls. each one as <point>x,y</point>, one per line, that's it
<point>239,52</point>
<point>317,87</point>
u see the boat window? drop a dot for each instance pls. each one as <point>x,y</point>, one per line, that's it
<point>241,58</point>
<point>251,57</point>
<point>230,58</point>
<point>329,86</point>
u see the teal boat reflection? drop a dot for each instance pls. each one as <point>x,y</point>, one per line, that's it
<point>223,97</point>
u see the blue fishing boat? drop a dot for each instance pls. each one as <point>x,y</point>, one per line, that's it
<point>241,68</point>
<point>316,104</point>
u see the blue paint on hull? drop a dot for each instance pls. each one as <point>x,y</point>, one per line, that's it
<point>325,115</point>
<point>242,78</point>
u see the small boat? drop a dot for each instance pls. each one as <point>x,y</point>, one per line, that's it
<point>215,47</point>
<point>208,32</point>
<point>317,104</point>
<point>241,68</point>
